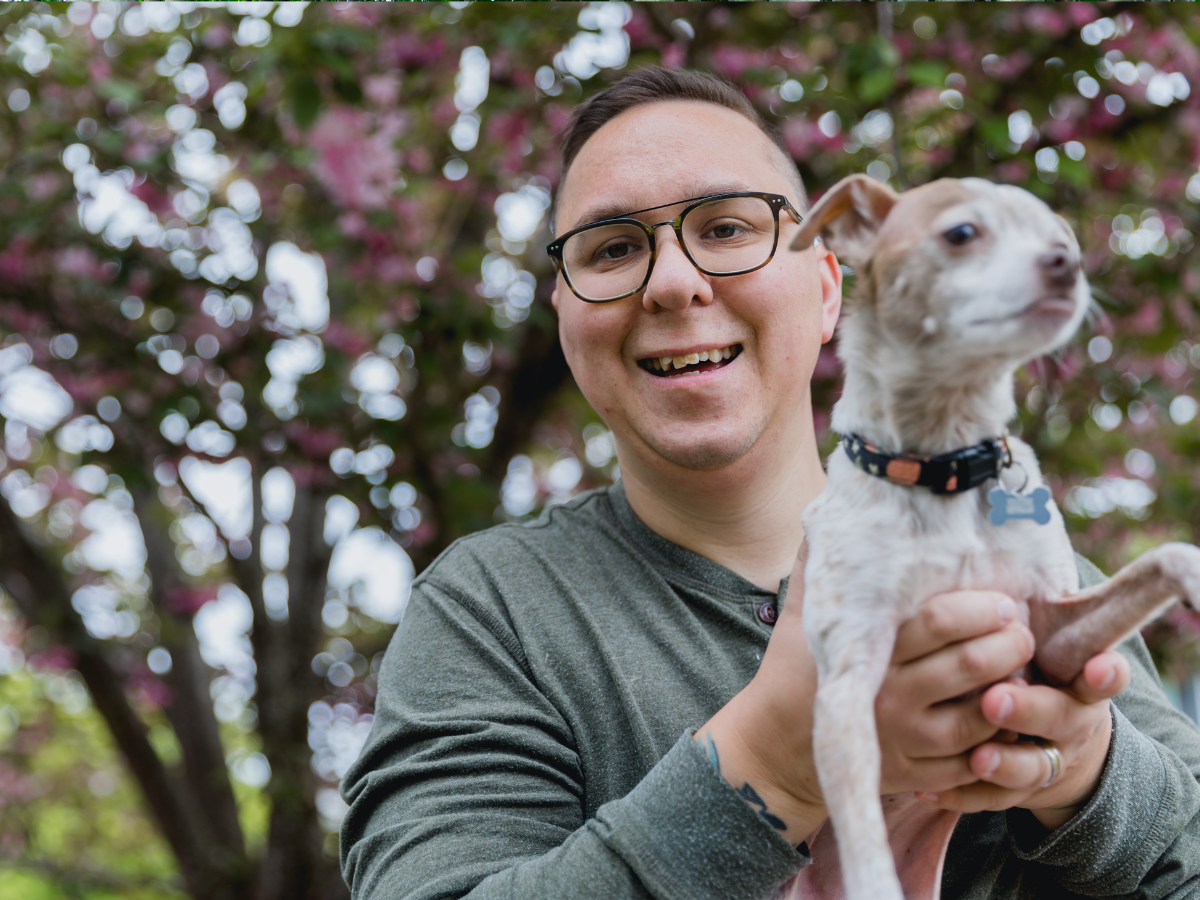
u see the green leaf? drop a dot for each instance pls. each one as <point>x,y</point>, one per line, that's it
<point>875,85</point>
<point>306,100</point>
<point>929,72</point>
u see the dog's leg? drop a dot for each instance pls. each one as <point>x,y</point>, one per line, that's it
<point>852,659</point>
<point>1072,631</point>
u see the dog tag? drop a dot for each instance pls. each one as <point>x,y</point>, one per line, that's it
<point>1007,506</point>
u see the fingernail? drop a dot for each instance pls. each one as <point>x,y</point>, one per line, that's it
<point>1108,679</point>
<point>927,797</point>
<point>1004,710</point>
<point>1030,643</point>
<point>1007,610</point>
<point>995,763</point>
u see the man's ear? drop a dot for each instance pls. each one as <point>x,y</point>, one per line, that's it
<point>848,218</point>
<point>554,299</point>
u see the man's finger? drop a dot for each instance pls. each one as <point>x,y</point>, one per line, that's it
<point>1033,709</point>
<point>975,797</point>
<point>1105,675</point>
<point>963,667</point>
<point>1020,767</point>
<point>941,774</point>
<point>943,730</point>
<point>949,618</point>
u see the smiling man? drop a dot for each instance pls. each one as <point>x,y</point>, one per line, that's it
<point>588,706</point>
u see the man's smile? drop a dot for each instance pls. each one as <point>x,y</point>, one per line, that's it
<point>673,366</point>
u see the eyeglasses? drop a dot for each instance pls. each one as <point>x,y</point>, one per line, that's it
<point>724,234</point>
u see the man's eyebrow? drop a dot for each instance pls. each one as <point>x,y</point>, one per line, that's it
<point>609,209</point>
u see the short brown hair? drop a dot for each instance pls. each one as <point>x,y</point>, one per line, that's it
<point>653,84</point>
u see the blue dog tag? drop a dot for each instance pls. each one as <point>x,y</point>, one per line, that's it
<point>1006,505</point>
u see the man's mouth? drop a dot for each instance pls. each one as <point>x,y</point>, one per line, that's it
<point>690,363</point>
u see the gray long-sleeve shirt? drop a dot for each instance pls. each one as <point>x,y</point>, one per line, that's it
<point>531,740</point>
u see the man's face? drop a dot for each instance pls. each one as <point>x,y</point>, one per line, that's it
<point>774,319</point>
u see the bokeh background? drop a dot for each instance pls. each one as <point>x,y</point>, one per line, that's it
<point>275,329</point>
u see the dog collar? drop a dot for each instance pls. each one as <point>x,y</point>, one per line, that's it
<point>947,473</point>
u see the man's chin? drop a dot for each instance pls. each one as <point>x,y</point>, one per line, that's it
<point>706,456</point>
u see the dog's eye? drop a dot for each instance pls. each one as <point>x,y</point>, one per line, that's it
<point>961,234</point>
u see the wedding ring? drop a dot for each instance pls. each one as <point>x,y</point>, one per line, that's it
<point>1055,759</point>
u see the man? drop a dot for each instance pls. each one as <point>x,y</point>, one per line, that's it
<point>588,706</point>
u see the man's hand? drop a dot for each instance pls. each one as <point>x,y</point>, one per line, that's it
<point>1076,720</point>
<point>934,706</point>
<point>928,709</point>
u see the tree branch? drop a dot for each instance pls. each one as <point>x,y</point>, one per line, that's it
<point>45,599</point>
<point>541,372</point>
<point>293,857</point>
<point>190,711</point>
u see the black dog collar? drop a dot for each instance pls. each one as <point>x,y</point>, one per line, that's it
<point>948,473</point>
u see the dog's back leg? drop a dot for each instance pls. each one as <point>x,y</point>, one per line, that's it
<point>852,659</point>
<point>1072,631</point>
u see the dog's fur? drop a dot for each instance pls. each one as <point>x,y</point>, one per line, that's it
<point>930,344</point>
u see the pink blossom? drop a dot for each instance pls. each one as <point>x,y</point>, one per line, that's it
<point>186,600</point>
<point>420,159</point>
<point>78,261</point>
<point>507,127</point>
<point>54,659</point>
<point>148,688</point>
<point>356,160</point>
<point>413,50</point>
<point>382,90</point>
<point>828,365</point>
<point>1042,19</point>
<point>557,116</point>
<point>1081,13</point>
<point>344,339</point>
<point>798,136</point>
<point>217,34</point>
<point>641,32</point>
<point>674,55</point>
<point>1014,171</point>
<point>316,443</point>
<point>17,264</point>
<point>731,60</point>
<point>1148,318</point>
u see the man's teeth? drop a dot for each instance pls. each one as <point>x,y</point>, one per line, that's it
<point>666,363</point>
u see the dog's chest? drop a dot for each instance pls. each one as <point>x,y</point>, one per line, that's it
<point>890,547</point>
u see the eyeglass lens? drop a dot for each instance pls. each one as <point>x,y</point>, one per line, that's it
<point>725,235</point>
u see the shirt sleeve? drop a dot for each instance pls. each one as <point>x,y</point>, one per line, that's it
<point>1139,835</point>
<point>469,786</point>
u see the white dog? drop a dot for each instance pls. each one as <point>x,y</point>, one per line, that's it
<point>958,284</point>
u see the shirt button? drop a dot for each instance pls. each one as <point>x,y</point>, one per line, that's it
<point>767,614</point>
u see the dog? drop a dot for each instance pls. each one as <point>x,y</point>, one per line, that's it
<point>959,282</point>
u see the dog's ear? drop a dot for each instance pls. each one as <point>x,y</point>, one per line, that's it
<point>848,217</point>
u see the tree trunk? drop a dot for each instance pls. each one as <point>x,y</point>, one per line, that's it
<point>45,599</point>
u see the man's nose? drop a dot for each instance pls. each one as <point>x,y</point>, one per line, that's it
<point>675,283</point>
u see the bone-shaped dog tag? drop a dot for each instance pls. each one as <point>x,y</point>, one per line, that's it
<point>1006,505</point>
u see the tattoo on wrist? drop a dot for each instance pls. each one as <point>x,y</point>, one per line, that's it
<point>711,750</point>
<point>750,795</point>
<point>746,791</point>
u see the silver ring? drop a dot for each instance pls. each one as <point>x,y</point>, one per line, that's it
<point>1055,759</point>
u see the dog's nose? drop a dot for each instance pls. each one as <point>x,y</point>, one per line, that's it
<point>1059,267</point>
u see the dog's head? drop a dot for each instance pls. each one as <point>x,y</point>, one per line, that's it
<point>974,269</point>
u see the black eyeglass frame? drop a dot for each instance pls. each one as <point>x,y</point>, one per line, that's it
<point>777,202</point>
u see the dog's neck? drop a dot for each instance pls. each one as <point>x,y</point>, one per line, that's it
<point>908,399</point>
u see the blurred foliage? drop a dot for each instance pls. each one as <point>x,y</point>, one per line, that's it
<point>151,156</point>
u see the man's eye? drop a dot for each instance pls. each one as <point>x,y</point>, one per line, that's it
<point>961,234</point>
<point>725,231</point>
<point>616,251</point>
